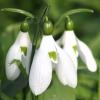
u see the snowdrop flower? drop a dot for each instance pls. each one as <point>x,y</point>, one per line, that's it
<point>20,50</point>
<point>50,57</point>
<point>74,47</point>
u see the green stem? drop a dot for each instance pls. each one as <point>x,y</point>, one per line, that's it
<point>57,30</point>
<point>79,10</point>
<point>71,12</point>
<point>35,39</point>
<point>28,14</point>
<point>39,26</point>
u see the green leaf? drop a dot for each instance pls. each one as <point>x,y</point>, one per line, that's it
<point>19,95</point>
<point>24,50</point>
<point>10,88</point>
<point>2,68</point>
<point>83,93</point>
<point>21,67</point>
<point>4,97</point>
<point>53,56</point>
<point>28,14</point>
<point>57,91</point>
<point>29,95</point>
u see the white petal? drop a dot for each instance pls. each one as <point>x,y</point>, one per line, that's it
<point>23,40</point>
<point>59,41</point>
<point>12,70</point>
<point>71,53</point>
<point>68,41</point>
<point>26,58</point>
<point>40,73</point>
<point>41,69</point>
<point>65,69</point>
<point>25,62</point>
<point>48,45</point>
<point>86,55</point>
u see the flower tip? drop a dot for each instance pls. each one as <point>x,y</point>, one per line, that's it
<point>73,82</point>
<point>94,68</point>
<point>37,92</point>
<point>73,85</point>
<point>10,78</point>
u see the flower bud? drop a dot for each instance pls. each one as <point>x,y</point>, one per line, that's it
<point>47,27</point>
<point>24,26</point>
<point>69,25</point>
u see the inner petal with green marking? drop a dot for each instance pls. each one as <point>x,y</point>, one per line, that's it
<point>53,56</point>
<point>75,48</point>
<point>24,50</point>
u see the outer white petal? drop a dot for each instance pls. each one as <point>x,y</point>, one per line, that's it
<point>65,69</point>
<point>59,41</point>
<point>86,55</point>
<point>48,45</point>
<point>12,70</point>
<point>41,69</point>
<point>23,40</point>
<point>68,41</point>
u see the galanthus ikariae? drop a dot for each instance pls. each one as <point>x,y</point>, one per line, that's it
<point>19,51</point>
<point>50,57</point>
<point>75,47</point>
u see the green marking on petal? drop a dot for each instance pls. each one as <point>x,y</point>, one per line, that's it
<point>53,55</point>
<point>24,50</point>
<point>75,48</point>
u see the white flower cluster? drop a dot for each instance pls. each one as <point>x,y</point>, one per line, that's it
<point>49,57</point>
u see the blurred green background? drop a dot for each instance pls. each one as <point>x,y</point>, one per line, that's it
<point>87,28</point>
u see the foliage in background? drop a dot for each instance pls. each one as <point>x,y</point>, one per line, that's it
<point>86,28</point>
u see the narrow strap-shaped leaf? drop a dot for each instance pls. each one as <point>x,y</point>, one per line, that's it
<point>28,14</point>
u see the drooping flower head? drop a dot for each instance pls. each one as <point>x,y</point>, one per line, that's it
<point>50,57</point>
<point>20,51</point>
<point>75,47</point>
